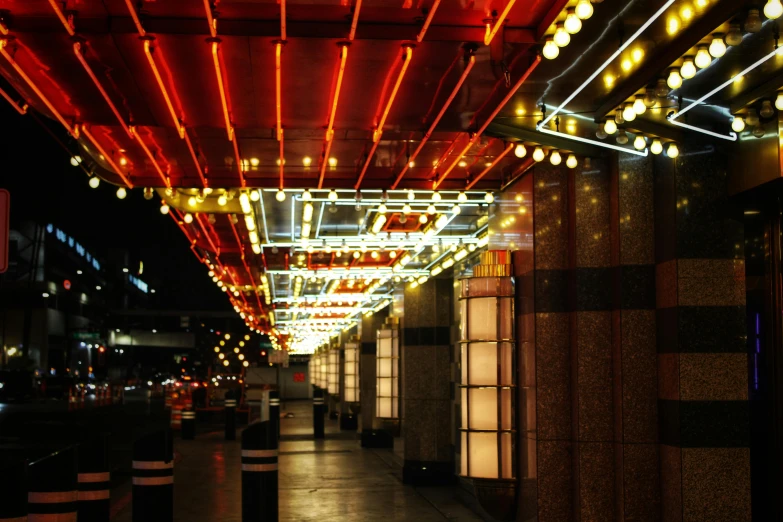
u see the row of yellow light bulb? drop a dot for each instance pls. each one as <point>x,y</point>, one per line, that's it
<point>571,25</point>
<point>555,158</point>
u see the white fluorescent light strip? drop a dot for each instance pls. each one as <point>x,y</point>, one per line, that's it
<point>623,47</point>
<point>617,53</point>
<point>643,153</point>
<point>731,136</point>
<point>263,215</point>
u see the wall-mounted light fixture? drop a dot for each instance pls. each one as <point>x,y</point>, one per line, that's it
<point>333,371</point>
<point>387,360</point>
<point>488,428</point>
<point>351,370</point>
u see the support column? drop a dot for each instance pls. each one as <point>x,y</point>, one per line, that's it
<point>371,433</point>
<point>426,383</point>
<point>702,361</point>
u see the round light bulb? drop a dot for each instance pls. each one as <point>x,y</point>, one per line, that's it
<point>618,116</point>
<point>674,81</point>
<point>431,209</point>
<point>307,195</point>
<point>639,143</point>
<point>538,154</point>
<point>656,147</point>
<point>610,127</point>
<point>584,9</point>
<point>738,124</point>
<point>382,208</point>
<point>703,57</point>
<point>456,210</point>
<point>121,193</point>
<point>571,161</point>
<point>551,50</point>
<point>188,218</point>
<point>773,9</point>
<point>766,109</point>
<point>622,137</point>
<point>254,195</point>
<point>280,196</point>
<point>411,195</point>
<point>629,114</point>
<point>94,182</point>
<point>561,37</point>
<point>462,198</point>
<point>555,158</point>
<point>600,133</point>
<point>672,150</point>
<point>572,22</point>
<point>164,209</point>
<point>436,196</point>
<point>734,36</point>
<point>76,160</point>
<point>718,46</point>
<point>332,195</point>
<point>779,101</point>
<point>406,209</point>
<point>222,200</point>
<point>520,151</point>
<point>688,69</point>
<point>638,105</point>
<point>759,131</point>
<point>489,197</point>
<point>650,98</point>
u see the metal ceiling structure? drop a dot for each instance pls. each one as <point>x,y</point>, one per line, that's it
<point>315,152</point>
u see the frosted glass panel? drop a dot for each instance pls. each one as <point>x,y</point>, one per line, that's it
<point>483,409</point>
<point>483,455</point>
<point>385,367</point>
<point>463,457</point>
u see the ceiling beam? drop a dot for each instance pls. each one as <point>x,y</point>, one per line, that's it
<point>271,29</point>
<point>500,130</point>
<point>654,128</point>
<point>550,17</point>
<point>718,14</point>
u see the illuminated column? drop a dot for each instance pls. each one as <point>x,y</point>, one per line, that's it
<point>372,433</point>
<point>488,382</point>
<point>387,371</point>
<point>351,368</point>
<point>333,371</point>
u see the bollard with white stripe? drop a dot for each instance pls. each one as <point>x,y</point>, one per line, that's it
<point>259,473</point>
<point>51,490</point>
<point>274,411</point>
<point>188,424</point>
<point>318,413</point>
<point>13,489</point>
<point>153,478</point>
<point>231,419</point>
<point>94,480</point>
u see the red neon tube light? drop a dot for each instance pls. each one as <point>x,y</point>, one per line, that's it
<point>491,166</point>
<point>20,109</point>
<point>437,119</point>
<point>282,21</point>
<point>247,268</point>
<point>407,54</point>
<point>491,117</point>
<point>330,126</point>
<point>195,160</point>
<point>135,17</point>
<point>278,89</point>
<point>106,156</point>
<point>65,21</point>
<point>73,130</point>
<point>428,21</point>
<point>223,95</point>
<point>355,20</point>
<point>210,19</point>
<point>163,90</point>
<point>490,34</point>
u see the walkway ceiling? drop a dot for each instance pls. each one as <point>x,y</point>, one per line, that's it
<point>380,100</point>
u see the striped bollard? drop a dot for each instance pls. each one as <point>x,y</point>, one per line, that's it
<point>189,424</point>
<point>231,419</point>
<point>318,413</point>
<point>51,490</point>
<point>176,418</point>
<point>259,473</point>
<point>153,478</point>
<point>13,488</point>
<point>274,411</point>
<point>94,480</point>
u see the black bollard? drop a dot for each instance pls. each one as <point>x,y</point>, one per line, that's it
<point>318,413</point>
<point>188,424</point>
<point>153,478</point>
<point>259,473</point>
<point>274,411</point>
<point>94,479</point>
<point>51,489</point>
<point>231,419</point>
<point>13,485</point>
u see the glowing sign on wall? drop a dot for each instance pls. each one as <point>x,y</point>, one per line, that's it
<point>138,283</point>
<point>71,242</point>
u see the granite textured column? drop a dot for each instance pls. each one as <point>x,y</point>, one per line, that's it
<point>702,364</point>
<point>426,383</point>
<point>371,433</point>
<point>635,384</point>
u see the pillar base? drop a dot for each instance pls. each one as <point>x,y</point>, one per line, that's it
<point>348,422</point>
<point>428,473</point>
<point>377,439</point>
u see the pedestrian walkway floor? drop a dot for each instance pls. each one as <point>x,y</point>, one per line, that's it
<point>326,480</point>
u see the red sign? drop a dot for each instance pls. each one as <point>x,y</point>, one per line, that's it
<point>5,220</point>
<point>67,284</point>
<point>299,377</point>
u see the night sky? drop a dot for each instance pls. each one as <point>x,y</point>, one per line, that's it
<point>45,187</point>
